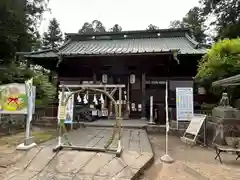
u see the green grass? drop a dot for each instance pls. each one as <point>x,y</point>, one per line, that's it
<point>40,136</point>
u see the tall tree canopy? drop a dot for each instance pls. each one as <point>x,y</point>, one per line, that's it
<point>95,27</point>
<point>116,28</point>
<point>53,37</point>
<point>176,24</point>
<point>18,25</point>
<point>194,20</point>
<point>227,13</point>
<point>19,20</point>
<point>152,27</point>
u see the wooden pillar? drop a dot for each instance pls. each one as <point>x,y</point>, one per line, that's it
<point>94,78</point>
<point>143,90</point>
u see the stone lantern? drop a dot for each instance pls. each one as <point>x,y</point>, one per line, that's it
<point>223,115</point>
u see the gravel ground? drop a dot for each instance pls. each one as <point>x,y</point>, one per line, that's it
<point>191,163</point>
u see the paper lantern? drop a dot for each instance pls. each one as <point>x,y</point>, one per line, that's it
<point>132,78</point>
<point>104,78</point>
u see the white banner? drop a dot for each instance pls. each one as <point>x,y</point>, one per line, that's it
<point>184,103</point>
<point>69,107</point>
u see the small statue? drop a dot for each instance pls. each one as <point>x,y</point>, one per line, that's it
<point>224,100</point>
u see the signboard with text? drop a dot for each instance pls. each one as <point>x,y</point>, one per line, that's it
<point>184,103</point>
<point>66,112</point>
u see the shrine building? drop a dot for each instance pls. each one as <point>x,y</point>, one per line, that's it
<point>141,60</point>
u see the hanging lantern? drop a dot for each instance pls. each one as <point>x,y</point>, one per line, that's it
<point>132,79</point>
<point>104,78</point>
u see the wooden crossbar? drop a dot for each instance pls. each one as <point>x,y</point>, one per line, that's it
<point>92,85</point>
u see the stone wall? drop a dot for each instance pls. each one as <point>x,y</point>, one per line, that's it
<point>11,123</point>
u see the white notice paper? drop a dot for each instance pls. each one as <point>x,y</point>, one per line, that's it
<point>184,103</point>
<point>196,124</point>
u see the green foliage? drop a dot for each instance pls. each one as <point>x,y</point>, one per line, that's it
<point>227,13</point>
<point>53,38</point>
<point>14,73</point>
<point>19,20</point>
<point>45,91</point>
<point>18,25</point>
<point>221,61</point>
<point>194,21</point>
<point>116,28</point>
<point>95,27</point>
<point>152,27</point>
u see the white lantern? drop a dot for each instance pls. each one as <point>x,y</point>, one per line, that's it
<point>132,78</point>
<point>104,78</point>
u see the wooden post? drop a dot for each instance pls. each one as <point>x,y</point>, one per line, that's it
<point>143,90</point>
<point>120,102</point>
<point>94,78</point>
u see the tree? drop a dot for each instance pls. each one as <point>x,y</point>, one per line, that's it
<point>227,14</point>
<point>194,20</point>
<point>152,27</point>
<point>18,25</point>
<point>53,37</point>
<point>19,20</point>
<point>95,27</point>
<point>221,61</point>
<point>116,28</point>
<point>176,24</point>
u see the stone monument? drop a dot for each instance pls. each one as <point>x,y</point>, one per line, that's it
<point>224,116</point>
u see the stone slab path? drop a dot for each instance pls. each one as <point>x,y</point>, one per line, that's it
<point>41,163</point>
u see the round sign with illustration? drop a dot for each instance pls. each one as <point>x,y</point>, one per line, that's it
<point>13,98</point>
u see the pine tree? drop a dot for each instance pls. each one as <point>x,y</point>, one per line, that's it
<point>53,37</point>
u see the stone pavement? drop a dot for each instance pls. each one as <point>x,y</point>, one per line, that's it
<point>191,163</point>
<point>41,163</point>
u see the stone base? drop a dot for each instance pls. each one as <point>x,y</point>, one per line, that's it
<point>167,159</point>
<point>24,147</point>
<point>152,123</point>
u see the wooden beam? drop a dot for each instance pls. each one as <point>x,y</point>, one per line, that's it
<point>143,90</point>
<point>92,86</point>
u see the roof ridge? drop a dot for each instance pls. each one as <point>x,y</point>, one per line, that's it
<point>192,41</point>
<point>130,32</point>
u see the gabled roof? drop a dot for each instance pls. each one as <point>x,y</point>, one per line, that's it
<point>125,43</point>
<point>230,81</point>
<point>49,53</point>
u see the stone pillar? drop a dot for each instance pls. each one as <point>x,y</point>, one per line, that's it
<point>143,90</point>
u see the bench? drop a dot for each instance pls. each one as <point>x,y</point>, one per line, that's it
<point>219,149</point>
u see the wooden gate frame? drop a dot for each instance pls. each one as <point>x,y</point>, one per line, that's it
<point>118,109</point>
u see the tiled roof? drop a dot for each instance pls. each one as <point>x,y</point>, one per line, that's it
<point>50,53</point>
<point>128,42</point>
<point>130,46</point>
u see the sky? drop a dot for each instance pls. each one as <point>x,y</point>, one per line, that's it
<point>129,14</point>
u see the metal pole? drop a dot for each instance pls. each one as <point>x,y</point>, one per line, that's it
<point>166,158</point>
<point>28,86</point>
<point>151,110</point>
